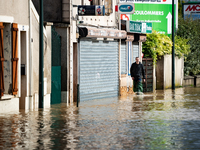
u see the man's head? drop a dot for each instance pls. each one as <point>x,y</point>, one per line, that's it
<point>137,60</point>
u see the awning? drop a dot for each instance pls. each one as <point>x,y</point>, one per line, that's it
<point>102,33</point>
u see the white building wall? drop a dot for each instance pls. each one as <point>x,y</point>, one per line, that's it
<point>26,17</point>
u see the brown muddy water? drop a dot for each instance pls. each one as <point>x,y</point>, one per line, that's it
<point>160,120</point>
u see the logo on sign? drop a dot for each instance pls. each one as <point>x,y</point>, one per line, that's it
<point>124,17</point>
<point>153,1</point>
<point>81,11</point>
<point>98,10</point>
<point>126,8</point>
<point>193,8</point>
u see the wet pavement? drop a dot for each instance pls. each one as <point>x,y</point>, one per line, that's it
<point>160,120</point>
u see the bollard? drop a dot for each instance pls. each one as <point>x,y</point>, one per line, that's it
<point>195,81</point>
<point>77,95</point>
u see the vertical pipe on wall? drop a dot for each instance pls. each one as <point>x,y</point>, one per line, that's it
<point>41,73</point>
<point>29,60</point>
<point>119,54</point>
<point>173,52</point>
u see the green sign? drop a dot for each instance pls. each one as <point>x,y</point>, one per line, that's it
<point>139,27</point>
<point>159,14</point>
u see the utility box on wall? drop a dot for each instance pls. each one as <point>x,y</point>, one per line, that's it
<point>23,69</point>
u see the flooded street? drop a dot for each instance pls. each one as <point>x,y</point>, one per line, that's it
<point>160,120</point>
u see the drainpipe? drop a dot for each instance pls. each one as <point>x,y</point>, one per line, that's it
<point>173,52</point>
<point>71,56</point>
<point>120,42</point>
<point>29,66</point>
<point>41,61</point>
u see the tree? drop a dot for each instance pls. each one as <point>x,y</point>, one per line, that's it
<point>190,29</point>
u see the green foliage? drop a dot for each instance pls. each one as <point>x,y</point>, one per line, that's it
<point>182,48</point>
<point>158,45</point>
<point>180,7</point>
<point>190,29</point>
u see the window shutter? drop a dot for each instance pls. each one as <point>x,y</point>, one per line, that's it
<point>14,58</point>
<point>1,60</point>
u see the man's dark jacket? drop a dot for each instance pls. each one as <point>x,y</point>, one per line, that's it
<point>137,71</point>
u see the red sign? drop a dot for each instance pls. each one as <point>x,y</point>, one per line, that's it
<point>124,17</point>
<point>193,8</point>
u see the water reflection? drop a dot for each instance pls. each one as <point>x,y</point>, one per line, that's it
<point>161,120</point>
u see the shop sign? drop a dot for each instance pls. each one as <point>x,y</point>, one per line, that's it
<point>126,8</point>
<point>138,27</point>
<point>191,10</point>
<point>95,10</point>
<point>105,33</point>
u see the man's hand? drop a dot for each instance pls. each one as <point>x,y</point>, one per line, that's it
<point>144,80</point>
<point>132,78</point>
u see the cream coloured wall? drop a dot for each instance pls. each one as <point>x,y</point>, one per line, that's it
<point>16,9</point>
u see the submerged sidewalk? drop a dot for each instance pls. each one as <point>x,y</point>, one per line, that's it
<point>160,120</point>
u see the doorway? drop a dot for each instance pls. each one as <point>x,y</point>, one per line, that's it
<point>75,72</point>
<point>55,67</point>
<point>22,102</point>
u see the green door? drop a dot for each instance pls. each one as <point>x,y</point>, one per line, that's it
<point>55,68</point>
<point>56,84</point>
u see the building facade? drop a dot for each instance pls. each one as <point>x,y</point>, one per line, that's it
<point>19,52</point>
<point>85,57</point>
<point>89,44</point>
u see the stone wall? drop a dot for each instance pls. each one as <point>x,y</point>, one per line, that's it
<point>191,80</point>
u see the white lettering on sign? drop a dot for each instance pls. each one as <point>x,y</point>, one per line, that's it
<point>91,32</point>
<point>149,20</point>
<point>112,34</point>
<point>193,8</point>
<point>160,13</point>
<point>137,27</point>
<point>144,27</point>
<point>140,0</point>
<point>149,28</point>
<point>147,1</point>
<point>132,27</point>
<point>103,33</point>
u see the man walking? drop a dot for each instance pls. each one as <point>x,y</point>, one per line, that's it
<point>137,71</point>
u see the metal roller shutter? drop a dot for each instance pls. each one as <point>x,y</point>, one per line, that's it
<point>135,50</point>
<point>99,71</point>
<point>123,58</point>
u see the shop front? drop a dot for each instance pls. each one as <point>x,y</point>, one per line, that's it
<point>98,63</point>
<point>131,48</point>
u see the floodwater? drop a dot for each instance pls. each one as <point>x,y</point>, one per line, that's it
<point>160,120</point>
